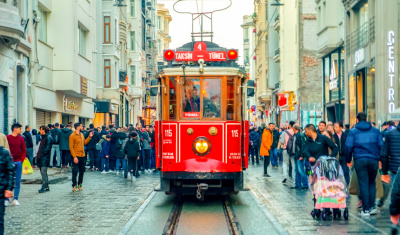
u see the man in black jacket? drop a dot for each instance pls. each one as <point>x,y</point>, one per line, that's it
<point>390,158</point>
<point>28,143</point>
<point>273,152</point>
<point>7,173</point>
<point>317,145</point>
<point>301,181</point>
<point>63,137</point>
<point>56,147</point>
<point>91,148</point>
<point>340,140</point>
<point>43,157</point>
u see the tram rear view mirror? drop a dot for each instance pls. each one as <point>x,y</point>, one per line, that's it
<point>153,87</point>
<point>250,88</point>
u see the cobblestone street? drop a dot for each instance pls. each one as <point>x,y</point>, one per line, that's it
<point>108,201</point>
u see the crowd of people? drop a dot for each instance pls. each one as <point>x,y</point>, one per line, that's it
<point>362,149</point>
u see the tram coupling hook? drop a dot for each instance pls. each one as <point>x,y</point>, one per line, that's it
<point>201,188</point>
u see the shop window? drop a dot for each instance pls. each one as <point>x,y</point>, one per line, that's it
<point>230,93</point>
<point>326,79</point>
<point>360,90</point>
<point>371,105</point>
<point>211,98</point>
<point>191,99</point>
<point>352,100</point>
<point>172,98</point>
<point>334,75</point>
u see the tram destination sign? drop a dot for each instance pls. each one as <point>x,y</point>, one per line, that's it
<point>200,52</point>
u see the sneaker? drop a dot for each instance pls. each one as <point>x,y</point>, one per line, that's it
<point>364,213</point>
<point>128,177</point>
<point>266,175</point>
<point>15,203</point>
<point>80,187</point>
<point>284,181</point>
<point>42,190</point>
<point>104,172</point>
<point>6,203</point>
<point>359,205</point>
<point>117,172</point>
<point>373,211</point>
<point>380,203</point>
<point>75,189</point>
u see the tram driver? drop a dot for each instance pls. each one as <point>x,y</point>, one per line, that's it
<point>192,101</point>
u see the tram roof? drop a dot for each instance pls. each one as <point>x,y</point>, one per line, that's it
<point>208,71</point>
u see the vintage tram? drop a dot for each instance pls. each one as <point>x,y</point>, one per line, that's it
<point>201,128</point>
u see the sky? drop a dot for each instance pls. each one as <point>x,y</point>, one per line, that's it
<point>226,24</point>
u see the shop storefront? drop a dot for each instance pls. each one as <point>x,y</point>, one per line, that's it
<point>334,85</point>
<point>106,113</point>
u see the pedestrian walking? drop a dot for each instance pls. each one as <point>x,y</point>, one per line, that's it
<point>146,147</point>
<point>273,153</point>
<point>76,146</point>
<point>318,145</point>
<point>91,148</point>
<point>43,157</point>
<point>364,144</point>
<point>56,147</point>
<point>301,181</point>
<point>28,143</point>
<point>260,133</point>
<point>152,148</point>
<point>321,127</point>
<point>132,150</point>
<point>113,141</point>
<point>390,158</point>
<point>287,152</point>
<point>7,176</point>
<point>105,154</point>
<point>340,140</point>
<point>394,207</point>
<point>119,153</point>
<point>254,140</point>
<point>18,153</point>
<point>266,143</point>
<point>63,136</point>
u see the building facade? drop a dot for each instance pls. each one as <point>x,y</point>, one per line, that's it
<point>15,48</point>
<point>163,37</point>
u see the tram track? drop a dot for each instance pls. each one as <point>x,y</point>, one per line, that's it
<point>173,223</point>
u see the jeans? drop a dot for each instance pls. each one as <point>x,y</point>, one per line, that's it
<point>254,153</point>
<point>132,165</point>
<point>105,161</point>
<point>29,155</point>
<point>118,163</point>
<point>387,187</point>
<point>301,180</point>
<point>280,155</point>
<point>18,174</point>
<point>65,157</point>
<point>153,158</point>
<point>2,212</point>
<point>45,178</point>
<point>80,167</point>
<point>273,153</point>
<point>285,165</point>
<point>266,164</point>
<point>345,168</point>
<point>94,158</point>
<point>147,159</point>
<point>366,173</point>
<point>55,148</point>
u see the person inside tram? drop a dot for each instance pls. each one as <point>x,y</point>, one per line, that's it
<point>192,101</point>
<point>210,110</point>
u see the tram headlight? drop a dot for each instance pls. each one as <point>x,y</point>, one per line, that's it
<point>201,146</point>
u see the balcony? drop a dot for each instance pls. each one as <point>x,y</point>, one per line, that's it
<point>361,37</point>
<point>149,5</point>
<point>135,92</point>
<point>11,28</point>
<point>123,79</point>
<point>277,24</point>
<point>277,57</point>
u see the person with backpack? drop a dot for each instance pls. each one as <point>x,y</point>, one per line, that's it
<point>119,153</point>
<point>265,148</point>
<point>63,137</point>
<point>132,150</point>
<point>56,147</point>
<point>301,180</point>
<point>105,153</point>
<point>91,148</point>
<point>7,176</point>
<point>287,152</point>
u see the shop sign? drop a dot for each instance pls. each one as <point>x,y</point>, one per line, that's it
<point>359,56</point>
<point>114,108</point>
<point>84,85</point>
<point>333,82</point>
<point>391,70</point>
<point>69,105</point>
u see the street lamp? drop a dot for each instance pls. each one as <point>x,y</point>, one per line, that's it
<point>277,3</point>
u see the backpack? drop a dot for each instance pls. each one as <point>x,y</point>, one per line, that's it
<point>118,145</point>
<point>99,147</point>
<point>54,135</point>
<point>289,145</point>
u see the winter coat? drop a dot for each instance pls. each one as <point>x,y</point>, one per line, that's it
<point>105,148</point>
<point>43,158</point>
<point>77,144</point>
<point>390,156</point>
<point>266,142</point>
<point>28,139</point>
<point>364,142</point>
<point>63,137</point>
<point>7,171</point>
<point>146,140</point>
<point>394,207</point>
<point>115,153</point>
<point>275,139</point>
<point>299,145</point>
<point>254,138</point>
<point>55,133</point>
<point>4,141</point>
<point>319,147</point>
<point>341,144</point>
<point>93,141</point>
<point>132,148</point>
<point>260,133</point>
<point>103,132</point>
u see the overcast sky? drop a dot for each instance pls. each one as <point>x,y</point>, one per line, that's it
<point>226,24</point>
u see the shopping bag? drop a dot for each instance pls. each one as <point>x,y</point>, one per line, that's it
<point>354,188</point>
<point>26,167</point>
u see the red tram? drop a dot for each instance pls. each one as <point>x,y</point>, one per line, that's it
<point>201,131</point>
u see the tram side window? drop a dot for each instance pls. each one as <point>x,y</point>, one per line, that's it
<point>211,98</point>
<point>230,99</point>
<point>172,98</point>
<point>191,99</point>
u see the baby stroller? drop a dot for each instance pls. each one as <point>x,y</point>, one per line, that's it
<point>328,188</point>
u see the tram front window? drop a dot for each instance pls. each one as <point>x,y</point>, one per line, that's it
<point>191,99</point>
<point>211,98</point>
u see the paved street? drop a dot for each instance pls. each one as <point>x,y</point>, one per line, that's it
<point>108,201</point>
